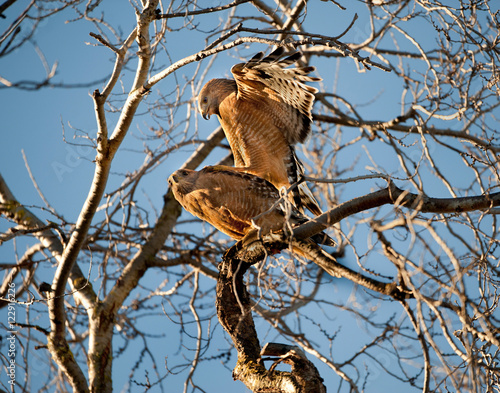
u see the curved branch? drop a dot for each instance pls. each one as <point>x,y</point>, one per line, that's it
<point>395,125</point>
<point>57,344</point>
<point>252,249</point>
<point>49,240</point>
<point>185,14</point>
<point>235,316</point>
<point>396,196</point>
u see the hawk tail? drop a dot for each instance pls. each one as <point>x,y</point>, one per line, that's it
<point>302,195</point>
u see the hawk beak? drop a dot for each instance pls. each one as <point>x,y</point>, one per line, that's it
<point>206,116</point>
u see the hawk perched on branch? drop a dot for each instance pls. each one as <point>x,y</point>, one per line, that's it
<point>264,111</point>
<point>235,202</point>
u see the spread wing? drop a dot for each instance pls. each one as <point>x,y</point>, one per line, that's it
<point>267,82</point>
<point>264,111</point>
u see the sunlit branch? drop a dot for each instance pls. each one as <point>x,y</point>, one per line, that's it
<point>328,42</point>
<point>50,241</point>
<point>235,315</point>
<point>398,197</point>
<point>202,11</point>
<point>396,125</point>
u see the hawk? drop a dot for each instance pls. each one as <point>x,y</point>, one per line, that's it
<point>235,202</point>
<point>264,111</point>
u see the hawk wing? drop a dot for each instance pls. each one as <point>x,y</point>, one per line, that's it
<point>264,111</point>
<point>267,82</point>
<point>235,202</point>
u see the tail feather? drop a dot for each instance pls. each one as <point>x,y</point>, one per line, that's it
<point>302,195</point>
<point>297,218</point>
<point>324,239</point>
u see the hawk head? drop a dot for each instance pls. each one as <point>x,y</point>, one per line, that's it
<point>182,182</point>
<point>204,103</point>
<point>212,94</point>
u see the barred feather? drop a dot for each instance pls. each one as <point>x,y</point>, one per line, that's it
<point>233,201</point>
<point>307,199</point>
<point>264,111</point>
<point>267,77</point>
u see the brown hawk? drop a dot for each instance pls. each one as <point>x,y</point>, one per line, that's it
<point>264,111</point>
<point>235,202</point>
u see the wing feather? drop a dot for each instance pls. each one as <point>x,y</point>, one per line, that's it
<point>264,111</point>
<point>266,79</point>
<point>232,201</point>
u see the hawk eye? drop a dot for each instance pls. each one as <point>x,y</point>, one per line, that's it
<point>205,100</point>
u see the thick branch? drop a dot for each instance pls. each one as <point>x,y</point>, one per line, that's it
<point>50,241</point>
<point>252,249</point>
<point>57,343</point>
<point>394,195</point>
<point>234,310</point>
<point>306,374</point>
<point>235,316</point>
<point>101,323</point>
